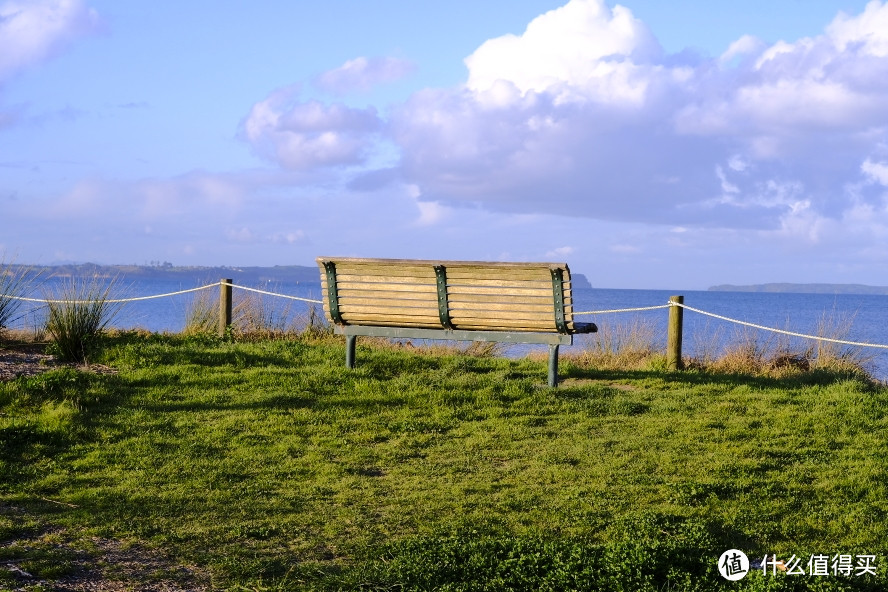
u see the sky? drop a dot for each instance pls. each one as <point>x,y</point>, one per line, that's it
<point>649,144</point>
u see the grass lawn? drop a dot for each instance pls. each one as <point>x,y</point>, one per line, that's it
<point>269,466</point>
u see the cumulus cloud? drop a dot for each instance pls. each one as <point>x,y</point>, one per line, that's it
<point>584,115</point>
<point>301,135</point>
<point>362,74</point>
<point>35,30</point>
<point>583,48</point>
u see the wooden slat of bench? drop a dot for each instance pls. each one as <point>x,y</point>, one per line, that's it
<point>346,279</point>
<point>384,269</point>
<point>456,291</point>
<point>433,262</point>
<point>370,297</point>
<point>389,308</point>
<point>353,287</point>
<point>423,275</point>
<point>499,283</point>
<point>387,321</point>
<point>503,326</point>
<point>541,306</point>
<point>461,315</point>
<point>518,275</point>
<point>455,307</point>
<point>494,298</point>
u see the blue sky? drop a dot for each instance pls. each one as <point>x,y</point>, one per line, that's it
<point>651,144</point>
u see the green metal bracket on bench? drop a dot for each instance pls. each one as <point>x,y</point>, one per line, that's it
<point>553,340</point>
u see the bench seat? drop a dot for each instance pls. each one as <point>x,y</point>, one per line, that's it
<point>453,300</point>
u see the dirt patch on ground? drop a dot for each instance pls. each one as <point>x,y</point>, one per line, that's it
<point>27,359</point>
<point>49,558</point>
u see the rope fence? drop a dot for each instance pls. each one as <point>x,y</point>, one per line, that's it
<point>112,300</point>
<point>782,331</point>
<point>736,321</point>
<point>223,283</point>
<point>673,304</point>
<point>638,309</point>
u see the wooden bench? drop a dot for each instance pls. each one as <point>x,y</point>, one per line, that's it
<point>459,300</point>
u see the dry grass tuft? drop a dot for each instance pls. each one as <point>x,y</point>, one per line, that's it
<point>255,318</point>
<point>635,345</point>
<point>622,346</point>
<point>778,355</point>
<point>202,313</point>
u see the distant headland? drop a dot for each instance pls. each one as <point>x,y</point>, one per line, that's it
<point>290,274</point>
<point>804,288</point>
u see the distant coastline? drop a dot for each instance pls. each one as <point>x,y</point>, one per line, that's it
<point>290,274</point>
<point>804,288</point>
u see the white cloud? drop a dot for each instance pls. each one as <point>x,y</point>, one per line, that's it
<point>584,45</point>
<point>583,48</point>
<point>35,30</point>
<point>362,74</point>
<point>560,252</point>
<point>240,235</point>
<point>583,115</point>
<point>745,46</point>
<point>289,238</point>
<point>877,171</point>
<point>303,135</point>
<point>430,213</point>
<point>867,33</point>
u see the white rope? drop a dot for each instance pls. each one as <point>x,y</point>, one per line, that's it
<point>762,327</point>
<point>113,300</point>
<point>623,309</point>
<point>118,300</point>
<point>271,293</point>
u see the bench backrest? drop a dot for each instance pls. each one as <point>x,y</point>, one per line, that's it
<point>448,294</point>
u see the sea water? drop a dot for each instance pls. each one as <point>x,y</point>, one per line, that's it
<point>861,318</point>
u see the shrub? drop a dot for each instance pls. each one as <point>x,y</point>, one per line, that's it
<point>78,313</point>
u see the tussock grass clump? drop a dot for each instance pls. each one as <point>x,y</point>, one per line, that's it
<point>78,313</point>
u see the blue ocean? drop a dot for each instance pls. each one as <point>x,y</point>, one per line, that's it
<point>860,318</point>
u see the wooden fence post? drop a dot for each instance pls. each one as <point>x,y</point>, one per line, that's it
<point>224,306</point>
<point>673,335</point>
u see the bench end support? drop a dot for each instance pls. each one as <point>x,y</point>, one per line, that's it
<point>350,350</point>
<point>553,364</point>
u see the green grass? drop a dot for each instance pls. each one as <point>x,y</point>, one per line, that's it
<point>274,468</point>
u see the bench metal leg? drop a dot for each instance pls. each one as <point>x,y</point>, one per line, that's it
<point>350,350</point>
<point>553,365</point>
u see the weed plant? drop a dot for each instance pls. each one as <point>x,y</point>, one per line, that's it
<point>78,312</point>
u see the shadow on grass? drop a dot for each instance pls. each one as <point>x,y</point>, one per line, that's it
<point>691,378</point>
